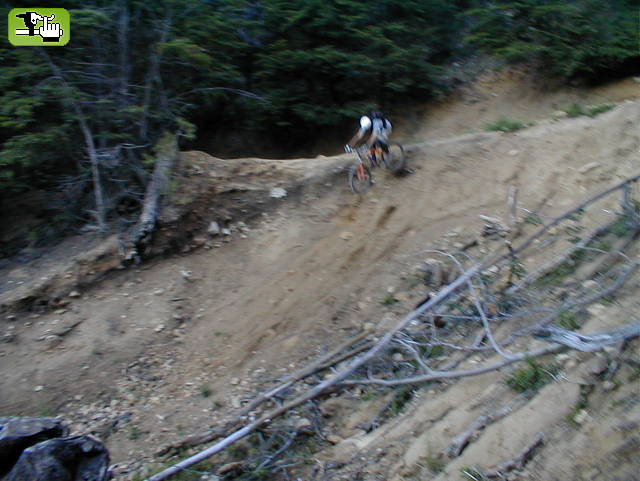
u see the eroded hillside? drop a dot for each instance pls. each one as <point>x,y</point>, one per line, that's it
<point>151,354</point>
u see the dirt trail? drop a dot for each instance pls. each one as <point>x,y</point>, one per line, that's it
<point>149,355</point>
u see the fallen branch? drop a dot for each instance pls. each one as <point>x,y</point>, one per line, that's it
<point>438,375</point>
<point>518,462</point>
<point>588,342</point>
<point>324,362</point>
<point>558,260</point>
<point>461,441</point>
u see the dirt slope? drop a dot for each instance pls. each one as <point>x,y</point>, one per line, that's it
<point>149,355</point>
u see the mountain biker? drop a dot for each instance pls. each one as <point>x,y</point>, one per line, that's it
<point>374,131</point>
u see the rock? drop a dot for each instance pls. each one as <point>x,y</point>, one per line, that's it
<point>8,337</point>
<point>588,167</point>
<point>559,114</point>
<point>213,229</point>
<point>278,193</point>
<point>397,357</point>
<point>514,152</point>
<point>17,434</point>
<point>159,328</point>
<point>226,231</point>
<point>74,294</point>
<point>199,241</point>
<point>38,388</point>
<point>597,365</point>
<point>345,236</point>
<point>582,416</point>
<point>334,439</point>
<point>303,426</point>
<point>608,386</point>
<point>590,284</point>
<point>229,467</point>
<point>158,292</point>
<point>52,341</point>
<point>63,459</point>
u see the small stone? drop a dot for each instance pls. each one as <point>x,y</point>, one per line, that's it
<point>597,366</point>
<point>235,381</point>
<point>345,236</point>
<point>582,416</point>
<point>160,328</point>
<point>227,468</point>
<point>397,357</point>
<point>214,229</point>
<point>59,311</point>
<point>334,439</point>
<point>52,341</point>
<point>588,167</point>
<point>559,114</point>
<point>8,337</point>
<point>74,294</point>
<point>278,193</point>
<point>590,284</point>
<point>158,292</point>
<point>608,386</point>
<point>199,241</point>
<point>514,152</point>
<point>38,388</point>
<point>226,231</point>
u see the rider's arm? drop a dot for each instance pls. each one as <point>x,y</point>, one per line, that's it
<point>365,126</point>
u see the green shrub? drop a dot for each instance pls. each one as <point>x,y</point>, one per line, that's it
<point>530,377</point>
<point>575,110</point>
<point>205,390</point>
<point>598,109</point>
<point>388,300</point>
<point>568,320</point>
<point>504,124</point>
<point>435,464</point>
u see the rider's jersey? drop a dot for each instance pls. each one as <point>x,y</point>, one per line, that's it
<point>380,128</point>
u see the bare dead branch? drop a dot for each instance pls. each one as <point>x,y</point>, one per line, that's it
<point>588,342</point>
<point>329,359</point>
<point>461,441</point>
<point>518,462</point>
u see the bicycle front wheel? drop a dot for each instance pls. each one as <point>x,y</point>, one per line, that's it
<point>360,179</point>
<point>396,159</point>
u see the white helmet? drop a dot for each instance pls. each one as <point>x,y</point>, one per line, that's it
<point>365,122</point>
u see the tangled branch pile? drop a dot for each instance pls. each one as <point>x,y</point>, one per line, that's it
<point>521,303</point>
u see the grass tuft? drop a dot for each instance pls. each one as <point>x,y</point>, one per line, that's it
<point>504,124</point>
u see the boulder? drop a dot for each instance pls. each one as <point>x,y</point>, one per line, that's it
<point>76,458</point>
<point>17,434</point>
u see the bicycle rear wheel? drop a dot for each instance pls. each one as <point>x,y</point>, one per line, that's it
<point>360,179</point>
<point>396,160</point>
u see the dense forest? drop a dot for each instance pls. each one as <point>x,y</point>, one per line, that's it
<point>85,122</point>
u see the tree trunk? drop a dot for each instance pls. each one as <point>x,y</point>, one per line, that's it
<point>167,152</point>
<point>100,213</point>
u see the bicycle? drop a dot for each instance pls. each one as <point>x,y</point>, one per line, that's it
<point>361,174</point>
